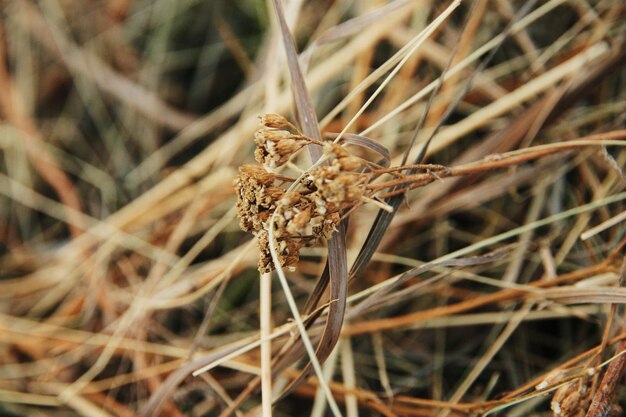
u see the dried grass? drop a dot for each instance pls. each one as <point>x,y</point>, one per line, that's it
<point>477,266</point>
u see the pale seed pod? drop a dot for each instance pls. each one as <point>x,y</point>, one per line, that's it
<point>275,121</point>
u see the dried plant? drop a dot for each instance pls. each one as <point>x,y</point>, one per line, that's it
<point>307,213</point>
<point>442,204</point>
<point>572,399</point>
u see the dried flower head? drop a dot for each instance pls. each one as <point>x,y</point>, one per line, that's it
<point>288,252</point>
<point>571,400</point>
<point>256,196</point>
<point>276,121</point>
<point>303,216</point>
<point>274,149</point>
<point>337,186</point>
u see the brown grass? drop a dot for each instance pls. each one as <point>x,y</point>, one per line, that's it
<point>475,261</point>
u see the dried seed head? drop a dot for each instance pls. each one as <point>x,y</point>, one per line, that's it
<point>299,224</point>
<point>321,176</point>
<point>265,258</point>
<point>346,188</point>
<point>337,190</point>
<point>343,158</point>
<point>256,196</point>
<point>321,207</point>
<point>275,147</point>
<point>276,121</point>
<point>571,400</point>
<point>329,226</point>
<point>271,135</point>
<point>336,150</point>
<point>300,217</point>
<point>291,198</point>
<point>288,252</point>
<point>256,175</point>
<point>350,163</point>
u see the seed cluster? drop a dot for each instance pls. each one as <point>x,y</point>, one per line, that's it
<point>571,400</point>
<point>277,141</point>
<point>305,215</point>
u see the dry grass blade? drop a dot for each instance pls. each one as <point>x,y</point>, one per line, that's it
<point>266,347</point>
<point>196,366</point>
<point>16,113</point>
<point>384,218</point>
<point>109,81</point>
<point>350,27</point>
<point>419,40</point>
<point>370,301</point>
